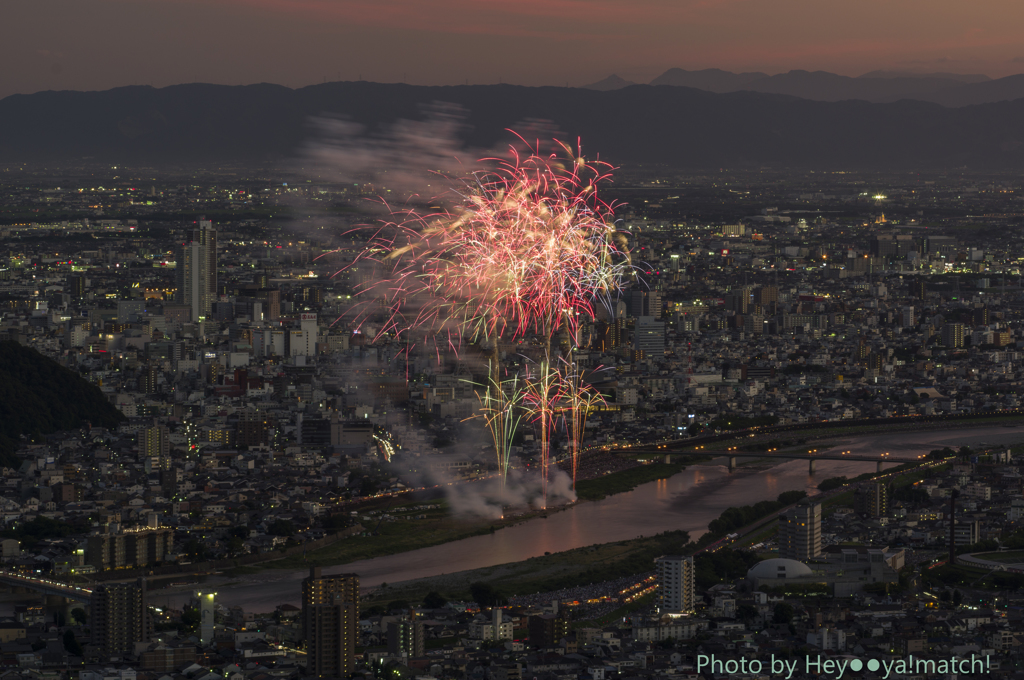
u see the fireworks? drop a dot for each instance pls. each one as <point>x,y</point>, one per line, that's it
<point>501,405</point>
<point>579,399</point>
<point>525,252</point>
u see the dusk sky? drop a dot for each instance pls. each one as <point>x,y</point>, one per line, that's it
<point>99,44</point>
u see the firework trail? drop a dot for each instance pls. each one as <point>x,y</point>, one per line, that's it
<point>526,251</point>
<point>578,399</point>
<point>501,406</point>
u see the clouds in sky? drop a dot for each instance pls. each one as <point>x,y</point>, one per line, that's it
<point>71,44</point>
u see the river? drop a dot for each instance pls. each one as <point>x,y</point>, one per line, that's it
<point>688,501</point>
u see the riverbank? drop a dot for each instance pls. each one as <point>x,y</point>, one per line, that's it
<point>687,501</point>
<point>579,566</point>
<point>437,526</point>
<point>627,480</point>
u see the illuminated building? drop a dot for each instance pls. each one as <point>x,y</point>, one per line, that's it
<point>330,623</point>
<point>206,604</point>
<point>800,531</point>
<point>953,335</point>
<point>119,618</point>
<point>197,271</point>
<point>675,583</point>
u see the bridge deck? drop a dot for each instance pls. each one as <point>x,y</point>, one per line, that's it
<point>47,586</point>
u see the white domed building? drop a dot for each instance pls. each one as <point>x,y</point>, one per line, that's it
<point>779,568</point>
<point>844,570</point>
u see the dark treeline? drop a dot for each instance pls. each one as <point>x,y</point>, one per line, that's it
<point>38,396</point>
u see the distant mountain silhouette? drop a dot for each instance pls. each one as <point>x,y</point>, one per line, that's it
<point>710,79</point>
<point>1001,90</point>
<point>197,125</point>
<point>612,82</point>
<point>878,86</point>
<point>956,77</point>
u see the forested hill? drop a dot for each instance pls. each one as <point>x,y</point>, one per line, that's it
<point>38,396</point>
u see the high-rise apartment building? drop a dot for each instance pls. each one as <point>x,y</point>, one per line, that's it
<point>753,323</point>
<point>155,442</point>
<point>767,295</point>
<point>75,286</point>
<point>872,500</point>
<point>953,335</point>
<point>405,637</point>
<point>546,630</point>
<point>330,623</point>
<point>206,236</point>
<point>117,549</point>
<point>609,335</point>
<point>149,380</point>
<point>197,270</point>
<point>675,583</point>
<point>738,300</point>
<point>800,531</point>
<point>191,280</point>
<point>119,618</point>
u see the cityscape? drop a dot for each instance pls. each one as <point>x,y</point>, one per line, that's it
<point>246,413</point>
<point>525,342</point>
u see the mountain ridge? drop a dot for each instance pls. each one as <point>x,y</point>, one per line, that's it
<point>880,87</point>
<point>684,127</point>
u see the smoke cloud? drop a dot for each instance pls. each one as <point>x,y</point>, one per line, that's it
<point>412,157</point>
<point>409,157</point>
<point>523,490</point>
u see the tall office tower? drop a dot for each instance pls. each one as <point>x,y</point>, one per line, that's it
<point>192,280</point>
<point>330,623</point>
<point>405,638</point>
<point>119,618</point>
<point>872,500</point>
<point>644,303</point>
<point>649,336</point>
<point>953,335</point>
<point>675,583</point>
<point>197,270</point>
<point>206,236</point>
<point>800,531</point>
<point>155,442</point>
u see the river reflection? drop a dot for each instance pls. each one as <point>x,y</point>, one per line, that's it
<point>687,501</point>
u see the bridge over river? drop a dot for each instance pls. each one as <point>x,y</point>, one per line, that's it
<point>811,456</point>
<point>46,586</point>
